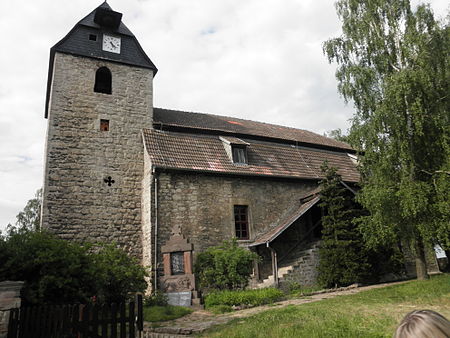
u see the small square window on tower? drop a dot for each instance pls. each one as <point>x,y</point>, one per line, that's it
<point>92,37</point>
<point>104,125</point>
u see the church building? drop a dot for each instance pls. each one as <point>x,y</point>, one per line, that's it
<point>167,184</point>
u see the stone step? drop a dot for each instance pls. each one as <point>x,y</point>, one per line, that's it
<point>289,267</point>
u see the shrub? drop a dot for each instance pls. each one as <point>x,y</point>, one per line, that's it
<point>225,267</point>
<point>243,297</point>
<point>117,274</point>
<point>54,271</point>
<point>159,298</point>
<point>58,271</point>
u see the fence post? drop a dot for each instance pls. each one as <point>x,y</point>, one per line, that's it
<point>13,323</point>
<point>113,320</point>
<point>140,313</point>
<point>105,313</point>
<point>123,322</point>
<point>131,320</point>
<point>95,319</point>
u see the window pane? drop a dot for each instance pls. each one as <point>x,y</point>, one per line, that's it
<point>241,221</point>
<point>239,155</point>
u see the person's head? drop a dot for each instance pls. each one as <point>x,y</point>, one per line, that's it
<point>423,324</point>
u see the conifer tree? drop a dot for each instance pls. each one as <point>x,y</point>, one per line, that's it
<point>342,255</point>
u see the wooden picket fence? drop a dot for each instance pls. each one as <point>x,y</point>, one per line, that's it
<point>77,321</point>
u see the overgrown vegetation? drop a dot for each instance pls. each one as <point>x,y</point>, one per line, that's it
<point>224,267</point>
<point>245,298</point>
<point>58,271</point>
<point>372,313</point>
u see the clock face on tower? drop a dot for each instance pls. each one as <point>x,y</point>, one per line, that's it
<point>111,44</point>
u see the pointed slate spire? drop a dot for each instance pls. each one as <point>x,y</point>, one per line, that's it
<point>86,38</point>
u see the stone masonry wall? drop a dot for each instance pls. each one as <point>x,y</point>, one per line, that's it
<point>78,204</point>
<point>204,205</point>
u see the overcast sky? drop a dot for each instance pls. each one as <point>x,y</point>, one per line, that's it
<point>254,59</point>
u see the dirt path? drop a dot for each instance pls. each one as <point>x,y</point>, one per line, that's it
<point>200,320</point>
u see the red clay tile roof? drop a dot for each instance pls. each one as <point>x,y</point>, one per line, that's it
<point>274,232</point>
<point>175,118</point>
<point>197,152</point>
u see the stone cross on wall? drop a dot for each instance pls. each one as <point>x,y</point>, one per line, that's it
<point>109,181</point>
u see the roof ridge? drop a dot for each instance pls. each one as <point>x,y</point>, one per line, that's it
<point>224,118</point>
<point>237,118</point>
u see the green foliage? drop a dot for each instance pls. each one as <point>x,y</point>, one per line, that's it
<point>30,216</point>
<point>157,313</point>
<point>226,266</point>
<point>54,271</point>
<point>158,298</point>
<point>393,63</point>
<point>338,135</point>
<point>58,271</point>
<point>343,259</point>
<point>243,297</point>
<point>117,274</point>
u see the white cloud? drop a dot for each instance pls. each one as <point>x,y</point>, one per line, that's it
<point>253,59</point>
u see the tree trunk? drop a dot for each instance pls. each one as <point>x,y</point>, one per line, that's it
<point>421,263</point>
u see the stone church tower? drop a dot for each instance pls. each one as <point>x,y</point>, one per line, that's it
<point>99,98</point>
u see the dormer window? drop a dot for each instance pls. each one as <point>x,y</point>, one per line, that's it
<point>103,81</point>
<point>236,149</point>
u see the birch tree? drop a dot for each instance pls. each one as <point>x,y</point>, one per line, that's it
<point>394,66</point>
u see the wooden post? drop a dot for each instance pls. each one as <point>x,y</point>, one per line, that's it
<point>113,321</point>
<point>131,320</point>
<point>105,321</point>
<point>140,313</point>
<point>123,323</point>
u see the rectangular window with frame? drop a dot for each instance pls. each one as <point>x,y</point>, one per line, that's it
<point>241,221</point>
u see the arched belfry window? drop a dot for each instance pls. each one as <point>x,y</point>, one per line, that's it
<point>103,81</point>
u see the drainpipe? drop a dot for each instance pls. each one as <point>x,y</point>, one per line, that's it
<point>155,266</point>
<point>274,264</point>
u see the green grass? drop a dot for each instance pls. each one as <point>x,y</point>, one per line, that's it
<point>243,297</point>
<point>163,313</point>
<point>301,291</point>
<point>373,313</point>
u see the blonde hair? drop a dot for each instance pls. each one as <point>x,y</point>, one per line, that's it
<point>423,324</point>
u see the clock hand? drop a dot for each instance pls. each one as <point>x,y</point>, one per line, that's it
<point>113,45</point>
